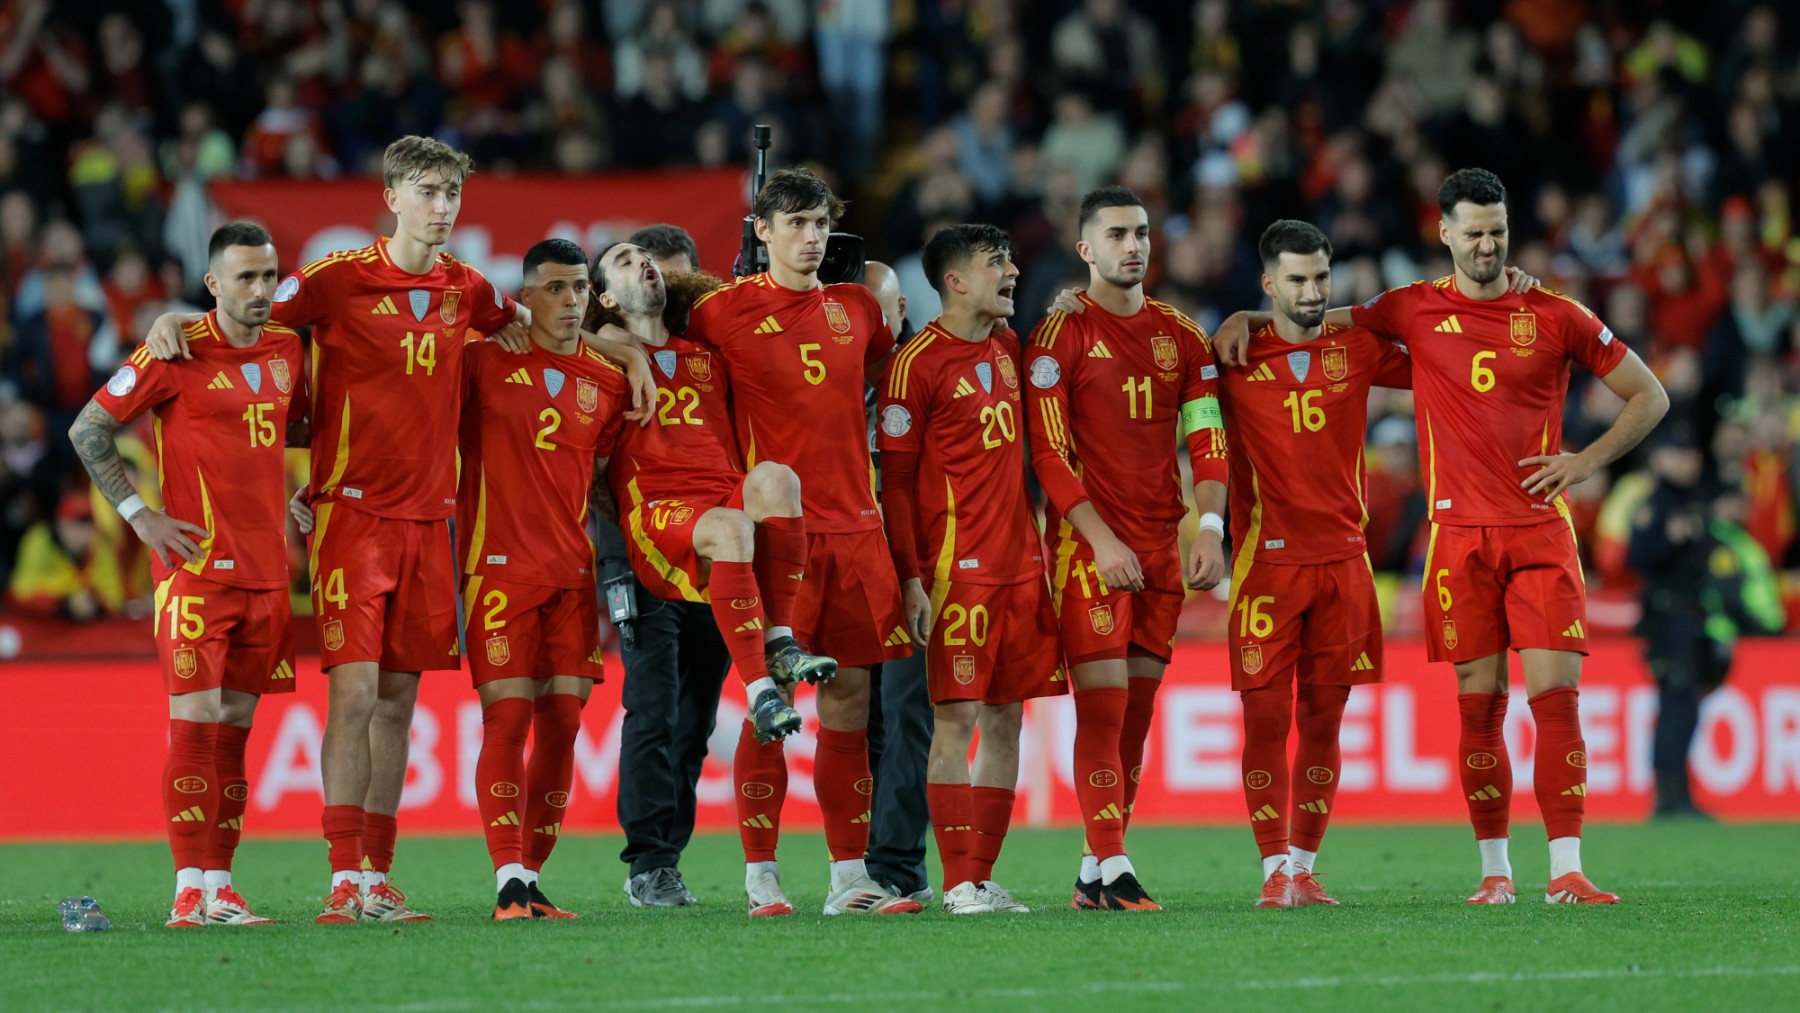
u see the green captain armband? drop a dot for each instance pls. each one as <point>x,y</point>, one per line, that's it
<point>1201,413</point>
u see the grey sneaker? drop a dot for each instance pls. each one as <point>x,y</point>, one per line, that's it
<point>657,888</point>
<point>771,719</point>
<point>789,664</point>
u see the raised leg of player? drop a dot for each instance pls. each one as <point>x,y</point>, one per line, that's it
<point>1268,719</point>
<point>191,799</point>
<point>1560,770</point>
<point>1318,714</point>
<point>550,776</point>
<point>1486,770</point>
<point>951,800</point>
<point>772,499</point>
<point>1140,714</point>
<point>726,538</point>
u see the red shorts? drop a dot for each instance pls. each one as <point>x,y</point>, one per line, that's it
<point>849,604</point>
<point>1321,622</point>
<point>209,635</point>
<point>1100,623</point>
<point>383,590</point>
<point>529,631</point>
<point>995,643</point>
<point>660,537</point>
<point>1487,589</point>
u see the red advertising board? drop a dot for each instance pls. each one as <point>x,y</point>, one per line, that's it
<point>503,216</point>
<point>85,741</point>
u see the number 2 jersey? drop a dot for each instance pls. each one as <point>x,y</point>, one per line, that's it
<point>1110,397</point>
<point>957,405</point>
<point>797,361</point>
<point>386,374</point>
<point>1490,377</point>
<point>532,426</point>
<point>221,424</point>
<point>1297,414</point>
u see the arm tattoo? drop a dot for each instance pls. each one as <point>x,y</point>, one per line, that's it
<point>92,435</point>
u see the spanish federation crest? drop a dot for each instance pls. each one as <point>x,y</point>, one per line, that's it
<point>665,361</point>
<point>252,376</point>
<point>587,394</point>
<point>985,373</point>
<point>1102,618</point>
<point>837,317</point>
<point>1449,634</point>
<point>1008,372</point>
<point>499,652</point>
<point>1252,658</point>
<point>334,635</point>
<point>1162,348</point>
<point>699,364</point>
<point>1300,364</point>
<point>418,300</point>
<point>965,669</point>
<point>278,371</point>
<point>447,308</point>
<point>186,662</point>
<point>1524,328</point>
<point>1336,361</point>
<point>554,380</point>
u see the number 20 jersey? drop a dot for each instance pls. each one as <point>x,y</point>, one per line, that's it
<point>386,374</point>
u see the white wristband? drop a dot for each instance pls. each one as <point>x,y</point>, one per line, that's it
<point>1214,523</point>
<point>131,506</point>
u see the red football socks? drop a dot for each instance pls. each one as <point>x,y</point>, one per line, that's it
<point>190,791</point>
<point>1482,761</point>
<point>379,834</point>
<point>1268,716</point>
<point>952,822</point>
<point>780,565</point>
<point>738,610</point>
<point>234,795</point>
<point>993,814</point>
<point>759,772</point>
<point>1140,713</point>
<point>1099,719</point>
<point>550,776</point>
<point>1316,762</point>
<point>500,777</point>
<point>841,779</point>
<point>343,826</point>
<point>1560,775</point>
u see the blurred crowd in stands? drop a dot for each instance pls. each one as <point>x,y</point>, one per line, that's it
<point>1651,148</point>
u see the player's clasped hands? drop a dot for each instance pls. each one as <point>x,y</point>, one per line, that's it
<point>167,535</point>
<point>1555,473</point>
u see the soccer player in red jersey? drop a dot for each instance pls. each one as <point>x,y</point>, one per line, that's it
<point>537,421</point>
<point>1305,622</point>
<point>799,353</point>
<point>1112,389</point>
<point>699,529</point>
<point>1490,371</point>
<point>958,513</point>
<point>221,619</point>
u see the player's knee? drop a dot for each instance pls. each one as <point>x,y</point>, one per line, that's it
<point>1002,723</point>
<point>774,490</point>
<point>955,722</point>
<point>726,534</point>
<point>351,699</point>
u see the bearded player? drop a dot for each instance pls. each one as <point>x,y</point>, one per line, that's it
<point>539,422</point>
<point>799,354</point>
<point>700,529</point>
<point>1304,620</point>
<point>221,620</point>
<point>1491,369</point>
<point>389,324</point>
<point>1112,388</point>
<point>959,514</point>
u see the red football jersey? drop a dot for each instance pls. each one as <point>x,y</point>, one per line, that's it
<point>1297,415</point>
<point>1110,398</point>
<point>532,426</point>
<point>221,428</point>
<point>957,405</point>
<point>1490,377</point>
<point>386,374</point>
<point>688,451</point>
<point>797,362</point>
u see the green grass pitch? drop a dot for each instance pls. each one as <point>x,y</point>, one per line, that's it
<point>1710,921</point>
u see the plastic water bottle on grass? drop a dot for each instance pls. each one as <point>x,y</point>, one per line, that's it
<point>82,914</point>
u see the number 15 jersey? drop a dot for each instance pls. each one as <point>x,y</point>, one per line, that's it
<point>386,373</point>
